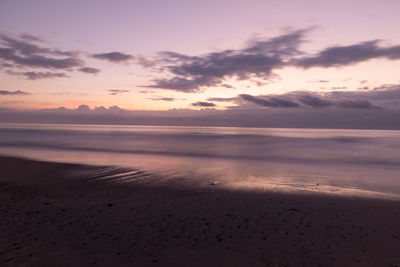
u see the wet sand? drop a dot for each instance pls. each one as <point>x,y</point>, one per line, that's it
<point>67,215</point>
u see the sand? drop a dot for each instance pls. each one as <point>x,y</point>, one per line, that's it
<point>58,215</point>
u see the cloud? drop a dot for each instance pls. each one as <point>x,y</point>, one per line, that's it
<point>115,57</point>
<point>144,62</point>
<point>89,70</point>
<point>168,99</point>
<point>378,108</point>
<point>314,101</point>
<point>18,92</point>
<point>22,56</point>
<point>337,56</point>
<point>116,91</point>
<point>203,104</point>
<point>361,104</point>
<point>31,38</point>
<point>223,99</point>
<point>83,108</point>
<point>147,92</point>
<point>33,75</point>
<point>274,102</point>
<point>23,53</point>
<point>334,117</point>
<point>382,97</point>
<point>379,95</point>
<point>257,60</point>
<point>183,84</point>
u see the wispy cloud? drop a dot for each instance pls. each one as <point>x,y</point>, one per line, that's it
<point>30,38</point>
<point>223,99</point>
<point>89,70</point>
<point>203,104</point>
<point>274,102</point>
<point>26,56</point>
<point>337,56</point>
<point>18,92</point>
<point>21,52</point>
<point>116,91</point>
<point>115,57</point>
<point>168,99</point>
<point>33,75</point>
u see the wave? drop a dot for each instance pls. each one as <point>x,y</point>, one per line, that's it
<point>199,154</point>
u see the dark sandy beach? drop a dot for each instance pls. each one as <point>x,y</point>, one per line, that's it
<point>66,215</point>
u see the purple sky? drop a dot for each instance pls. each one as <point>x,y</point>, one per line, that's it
<point>233,56</point>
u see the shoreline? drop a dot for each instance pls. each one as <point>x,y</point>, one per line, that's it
<point>52,214</point>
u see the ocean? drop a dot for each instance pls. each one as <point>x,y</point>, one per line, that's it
<point>333,161</point>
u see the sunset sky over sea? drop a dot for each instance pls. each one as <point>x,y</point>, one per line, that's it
<point>200,133</point>
<point>223,55</point>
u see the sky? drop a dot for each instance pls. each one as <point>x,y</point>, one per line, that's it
<point>331,59</point>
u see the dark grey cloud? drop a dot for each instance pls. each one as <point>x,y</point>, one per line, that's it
<point>83,108</point>
<point>314,101</point>
<point>361,104</point>
<point>382,97</point>
<point>337,56</point>
<point>21,52</point>
<point>33,75</point>
<point>18,92</point>
<point>258,60</point>
<point>184,84</point>
<point>383,92</point>
<point>274,102</point>
<point>89,70</point>
<point>116,91</point>
<point>116,57</point>
<point>223,99</point>
<point>23,56</point>
<point>317,102</point>
<point>203,104</point>
<point>168,99</point>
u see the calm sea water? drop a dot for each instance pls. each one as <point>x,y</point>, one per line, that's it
<point>352,162</point>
